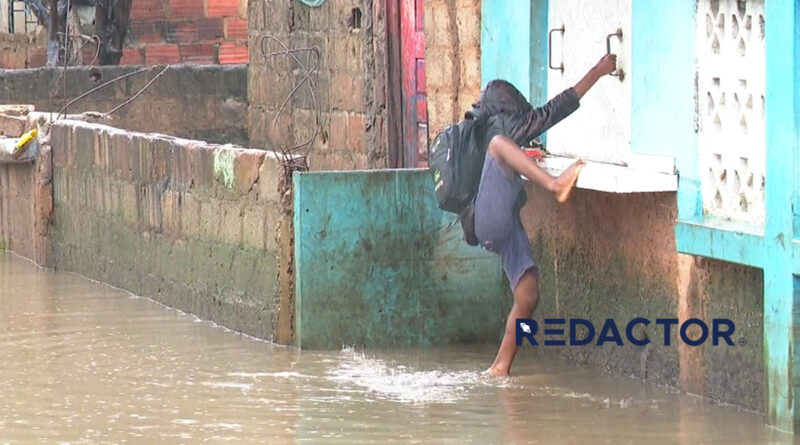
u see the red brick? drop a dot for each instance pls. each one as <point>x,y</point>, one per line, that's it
<point>338,135</point>
<point>235,28</point>
<point>147,9</point>
<point>233,53</point>
<point>185,32</point>
<point>87,53</point>
<point>186,9</point>
<point>199,53</point>
<point>209,29</point>
<point>160,54</point>
<point>146,32</point>
<point>37,58</point>
<point>222,8</point>
<point>355,131</point>
<point>131,56</point>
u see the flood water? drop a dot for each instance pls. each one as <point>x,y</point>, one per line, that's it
<point>81,362</point>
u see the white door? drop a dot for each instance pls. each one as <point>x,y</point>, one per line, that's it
<point>601,129</point>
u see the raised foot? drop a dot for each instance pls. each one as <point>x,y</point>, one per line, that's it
<point>566,181</point>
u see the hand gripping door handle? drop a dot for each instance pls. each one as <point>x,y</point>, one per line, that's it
<point>550,49</point>
<point>618,73</point>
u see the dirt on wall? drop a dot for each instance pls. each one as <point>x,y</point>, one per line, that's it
<point>606,255</point>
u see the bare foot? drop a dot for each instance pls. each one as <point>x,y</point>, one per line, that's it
<point>566,181</point>
<point>497,372</point>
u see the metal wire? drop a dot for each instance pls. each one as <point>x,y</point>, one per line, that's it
<point>292,161</point>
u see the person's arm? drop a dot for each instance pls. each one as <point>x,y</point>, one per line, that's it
<point>525,126</point>
<point>605,66</point>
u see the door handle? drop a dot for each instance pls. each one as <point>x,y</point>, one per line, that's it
<point>618,73</point>
<point>550,49</point>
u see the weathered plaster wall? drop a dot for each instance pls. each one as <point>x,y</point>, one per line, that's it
<point>379,264</point>
<point>605,255</point>
<point>26,205</point>
<point>350,88</point>
<point>199,102</point>
<point>452,59</point>
<point>187,223</point>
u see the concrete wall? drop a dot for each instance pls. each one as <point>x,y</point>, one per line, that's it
<point>26,205</point>
<point>452,59</point>
<point>379,264</point>
<point>350,88</point>
<point>607,255</point>
<point>198,102</point>
<point>187,223</point>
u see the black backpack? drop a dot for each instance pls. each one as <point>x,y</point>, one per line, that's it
<point>457,153</point>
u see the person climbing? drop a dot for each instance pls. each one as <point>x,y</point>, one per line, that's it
<point>488,141</point>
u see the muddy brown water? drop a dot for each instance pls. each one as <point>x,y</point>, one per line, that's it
<point>81,362</point>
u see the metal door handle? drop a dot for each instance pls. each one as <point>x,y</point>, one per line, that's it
<point>550,49</point>
<point>618,73</point>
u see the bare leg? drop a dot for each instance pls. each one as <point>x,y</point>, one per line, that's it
<point>526,298</point>
<point>512,159</point>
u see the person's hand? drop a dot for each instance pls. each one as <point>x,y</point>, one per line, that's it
<point>607,64</point>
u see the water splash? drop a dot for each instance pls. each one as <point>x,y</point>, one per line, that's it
<point>405,384</point>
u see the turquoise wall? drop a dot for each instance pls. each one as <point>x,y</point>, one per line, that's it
<point>378,264</point>
<point>663,104</point>
<point>514,45</point>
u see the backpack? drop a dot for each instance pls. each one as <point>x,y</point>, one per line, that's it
<point>457,153</point>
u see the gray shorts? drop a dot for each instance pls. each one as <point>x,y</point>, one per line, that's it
<point>497,223</point>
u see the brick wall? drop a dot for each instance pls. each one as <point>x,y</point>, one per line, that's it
<point>350,88</point>
<point>187,223</point>
<point>191,31</point>
<point>452,59</point>
<point>198,102</point>
<point>160,32</point>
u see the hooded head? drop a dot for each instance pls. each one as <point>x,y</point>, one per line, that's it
<point>498,97</point>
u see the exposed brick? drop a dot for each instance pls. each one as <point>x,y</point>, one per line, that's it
<point>235,28</point>
<point>146,32</point>
<point>233,53</point>
<point>246,168</point>
<point>199,53</point>
<point>346,92</point>
<point>355,132</point>
<point>131,56</point>
<point>222,8</point>
<point>210,29</point>
<point>147,9</point>
<point>338,134</point>
<point>37,57</point>
<point>184,9</point>
<point>12,126</point>
<point>468,21</point>
<point>158,54</point>
<point>183,32</point>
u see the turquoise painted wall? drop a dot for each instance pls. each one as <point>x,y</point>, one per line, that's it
<point>663,90</point>
<point>378,264</point>
<point>514,45</point>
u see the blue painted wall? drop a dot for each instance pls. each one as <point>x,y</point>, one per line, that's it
<point>378,264</point>
<point>663,90</point>
<point>514,45</point>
